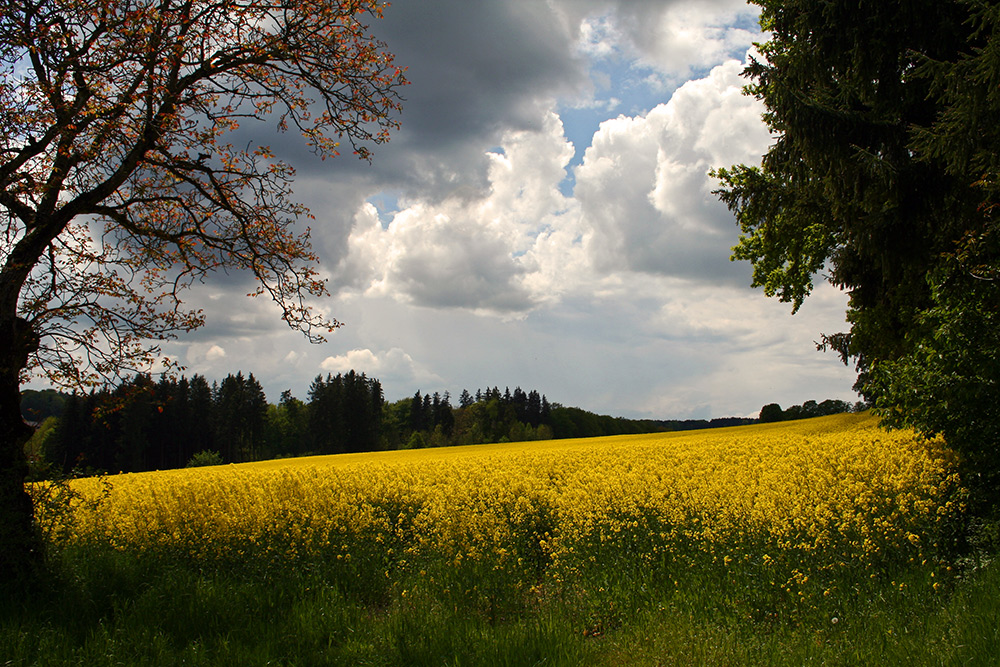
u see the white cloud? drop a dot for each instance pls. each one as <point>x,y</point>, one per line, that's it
<point>394,365</point>
<point>688,37</point>
<point>599,37</point>
<point>642,204</point>
<point>671,40</point>
<point>358,360</point>
<point>204,353</point>
<point>644,187</point>
<point>439,256</point>
<point>486,254</point>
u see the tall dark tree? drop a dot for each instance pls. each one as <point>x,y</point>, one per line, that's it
<point>335,402</point>
<point>950,377</point>
<point>533,408</point>
<point>883,174</point>
<point>345,413</point>
<point>173,422</point>
<point>361,413</point>
<point>322,416</point>
<point>465,399</point>
<point>74,426</point>
<point>427,412</point>
<point>292,437</point>
<point>445,417</point>
<point>841,187</point>
<point>135,404</point>
<point>435,409</point>
<point>418,422</point>
<point>98,448</point>
<point>240,409</point>
<point>201,434</point>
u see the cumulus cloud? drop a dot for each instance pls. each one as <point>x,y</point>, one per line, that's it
<point>483,253</point>
<point>477,70</point>
<point>363,360</point>
<point>689,37</point>
<point>673,40</point>
<point>437,257</point>
<point>394,364</point>
<point>644,188</point>
<point>202,356</point>
<point>642,202</point>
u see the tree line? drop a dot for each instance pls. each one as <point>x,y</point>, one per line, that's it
<point>144,424</point>
<point>772,412</point>
<point>155,424</point>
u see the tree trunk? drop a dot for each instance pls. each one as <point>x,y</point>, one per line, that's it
<point>20,548</point>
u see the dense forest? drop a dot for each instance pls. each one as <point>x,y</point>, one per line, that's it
<point>146,424</point>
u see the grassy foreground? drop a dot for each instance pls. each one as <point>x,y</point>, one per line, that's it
<point>824,541</point>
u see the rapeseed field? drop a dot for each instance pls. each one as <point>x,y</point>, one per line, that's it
<point>768,520</point>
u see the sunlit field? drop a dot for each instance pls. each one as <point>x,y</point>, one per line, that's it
<point>609,550</point>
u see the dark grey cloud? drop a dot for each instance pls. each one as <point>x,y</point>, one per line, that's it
<point>477,70</point>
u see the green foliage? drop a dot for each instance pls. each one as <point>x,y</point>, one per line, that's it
<point>964,137</point>
<point>37,449</point>
<point>841,189</point>
<point>241,410</point>
<point>416,441</point>
<point>949,382</point>
<point>37,406</point>
<point>490,417</point>
<point>810,409</point>
<point>147,425</point>
<point>785,235</point>
<point>345,413</point>
<point>205,458</point>
<point>770,413</point>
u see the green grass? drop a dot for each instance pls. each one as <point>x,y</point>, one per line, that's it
<point>959,628</point>
<point>118,610</point>
<point>102,608</point>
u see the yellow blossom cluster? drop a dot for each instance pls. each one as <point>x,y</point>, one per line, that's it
<point>795,505</point>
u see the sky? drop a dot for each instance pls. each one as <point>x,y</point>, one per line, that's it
<point>544,218</point>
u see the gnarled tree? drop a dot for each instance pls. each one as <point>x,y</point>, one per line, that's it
<point>119,186</point>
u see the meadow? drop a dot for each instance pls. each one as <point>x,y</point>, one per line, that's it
<point>821,541</point>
